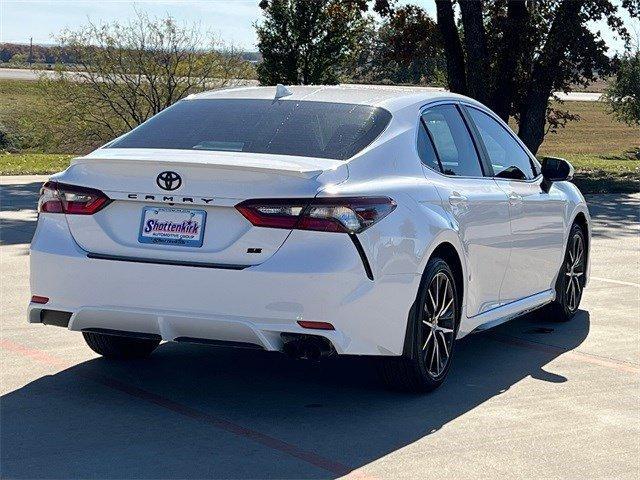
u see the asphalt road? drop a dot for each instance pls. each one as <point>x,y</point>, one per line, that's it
<point>531,398</point>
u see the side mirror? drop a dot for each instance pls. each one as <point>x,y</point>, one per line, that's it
<point>555,170</point>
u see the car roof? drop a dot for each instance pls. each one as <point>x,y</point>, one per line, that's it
<point>392,98</point>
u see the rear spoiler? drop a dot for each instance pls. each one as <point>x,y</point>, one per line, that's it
<point>276,164</point>
<point>300,173</point>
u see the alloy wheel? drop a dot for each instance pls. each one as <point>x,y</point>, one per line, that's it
<point>574,273</point>
<point>438,324</point>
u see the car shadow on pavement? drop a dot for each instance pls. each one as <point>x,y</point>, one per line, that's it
<point>614,215</point>
<point>18,204</point>
<point>193,411</point>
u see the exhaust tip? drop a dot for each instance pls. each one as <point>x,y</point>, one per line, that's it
<point>307,347</point>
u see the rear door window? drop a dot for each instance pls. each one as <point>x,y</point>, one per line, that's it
<point>456,154</point>
<point>508,158</point>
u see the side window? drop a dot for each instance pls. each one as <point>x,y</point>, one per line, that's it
<point>507,157</point>
<point>425,149</point>
<point>453,145</point>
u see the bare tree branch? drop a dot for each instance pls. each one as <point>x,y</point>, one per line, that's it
<point>127,72</point>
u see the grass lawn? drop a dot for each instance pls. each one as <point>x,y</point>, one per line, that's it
<point>32,163</point>
<point>601,149</point>
<point>596,133</point>
<point>597,175</point>
<point>16,93</point>
<point>15,96</point>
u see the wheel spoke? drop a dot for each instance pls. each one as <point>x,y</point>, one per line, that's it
<point>443,329</point>
<point>433,354</point>
<point>444,344</point>
<point>424,347</point>
<point>445,308</point>
<point>444,295</point>
<point>579,250</point>
<point>433,302</point>
<point>570,300</point>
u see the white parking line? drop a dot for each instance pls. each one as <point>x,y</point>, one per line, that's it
<point>619,282</point>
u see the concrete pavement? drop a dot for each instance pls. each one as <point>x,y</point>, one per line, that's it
<point>531,398</point>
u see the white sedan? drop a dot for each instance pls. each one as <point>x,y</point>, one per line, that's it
<point>349,220</point>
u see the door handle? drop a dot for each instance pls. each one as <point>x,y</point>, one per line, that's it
<point>456,199</point>
<point>514,199</point>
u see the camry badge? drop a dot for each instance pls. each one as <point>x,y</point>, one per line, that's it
<point>169,180</point>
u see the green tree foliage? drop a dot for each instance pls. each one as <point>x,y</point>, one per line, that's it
<point>512,55</point>
<point>411,44</point>
<point>19,58</point>
<point>41,54</point>
<point>623,94</point>
<point>404,48</point>
<point>127,72</point>
<point>307,41</point>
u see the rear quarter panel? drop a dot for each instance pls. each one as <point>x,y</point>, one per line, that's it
<point>402,243</point>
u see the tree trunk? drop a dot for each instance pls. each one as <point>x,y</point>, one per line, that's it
<point>475,41</point>
<point>533,119</point>
<point>510,53</point>
<point>454,54</point>
<point>546,71</point>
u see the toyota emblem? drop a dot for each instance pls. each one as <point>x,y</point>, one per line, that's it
<point>169,180</point>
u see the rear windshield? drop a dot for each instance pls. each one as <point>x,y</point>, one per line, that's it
<point>284,127</point>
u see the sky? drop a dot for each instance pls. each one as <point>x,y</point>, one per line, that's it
<point>230,20</point>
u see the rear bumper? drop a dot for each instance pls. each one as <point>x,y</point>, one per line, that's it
<point>314,276</point>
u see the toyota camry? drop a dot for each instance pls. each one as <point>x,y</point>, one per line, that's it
<point>311,220</point>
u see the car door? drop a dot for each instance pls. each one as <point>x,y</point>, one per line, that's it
<point>537,218</point>
<point>477,206</point>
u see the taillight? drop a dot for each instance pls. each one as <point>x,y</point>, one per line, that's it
<point>58,197</point>
<point>339,214</point>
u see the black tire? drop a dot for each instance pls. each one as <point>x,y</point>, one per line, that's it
<point>113,346</point>
<point>415,370</point>
<point>565,306</point>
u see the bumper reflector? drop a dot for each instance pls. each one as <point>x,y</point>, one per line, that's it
<point>315,325</point>
<point>39,299</point>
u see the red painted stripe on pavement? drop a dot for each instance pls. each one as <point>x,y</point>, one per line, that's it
<point>38,355</point>
<point>582,357</point>
<point>222,424</point>
<point>311,458</point>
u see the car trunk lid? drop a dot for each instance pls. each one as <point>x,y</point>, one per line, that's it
<point>210,185</point>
